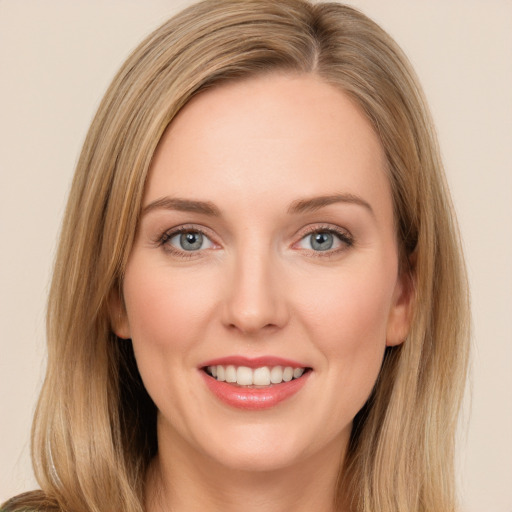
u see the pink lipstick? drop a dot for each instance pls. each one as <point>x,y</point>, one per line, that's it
<point>254,383</point>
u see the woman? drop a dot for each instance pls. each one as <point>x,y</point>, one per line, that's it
<point>259,298</point>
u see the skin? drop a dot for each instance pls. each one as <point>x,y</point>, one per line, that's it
<point>256,287</point>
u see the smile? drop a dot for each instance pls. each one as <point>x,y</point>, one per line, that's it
<point>254,384</point>
<point>262,376</point>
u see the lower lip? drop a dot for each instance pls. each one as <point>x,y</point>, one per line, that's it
<point>254,398</point>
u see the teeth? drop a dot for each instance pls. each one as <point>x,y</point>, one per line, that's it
<point>244,376</point>
<point>230,373</point>
<point>297,372</point>
<point>276,375</point>
<point>264,376</point>
<point>261,376</point>
<point>288,374</point>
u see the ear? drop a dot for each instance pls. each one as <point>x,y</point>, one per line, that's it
<point>118,316</point>
<point>402,308</point>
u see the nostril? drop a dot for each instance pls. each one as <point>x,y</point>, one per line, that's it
<point>253,302</point>
<point>249,327</point>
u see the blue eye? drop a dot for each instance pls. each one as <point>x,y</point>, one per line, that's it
<point>324,240</point>
<point>189,241</point>
<point>321,241</point>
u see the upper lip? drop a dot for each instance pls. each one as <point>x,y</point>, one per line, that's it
<point>253,362</point>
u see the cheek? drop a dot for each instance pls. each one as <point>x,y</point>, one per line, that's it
<point>168,314</point>
<point>352,306</point>
<point>349,325</point>
<point>166,310</point>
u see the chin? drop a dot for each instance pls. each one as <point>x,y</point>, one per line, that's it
<point>257,459</point>
<point>262,448</point>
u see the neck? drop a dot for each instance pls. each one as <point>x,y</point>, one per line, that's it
<point>182,481</point>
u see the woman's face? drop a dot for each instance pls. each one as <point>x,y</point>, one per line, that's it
<point>266,242</point>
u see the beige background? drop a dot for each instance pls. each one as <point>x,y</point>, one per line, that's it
<point>58,56</point>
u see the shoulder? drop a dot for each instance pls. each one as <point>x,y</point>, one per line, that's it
<point>33,501</point>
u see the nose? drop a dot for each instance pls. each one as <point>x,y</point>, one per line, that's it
<point>255,300</point>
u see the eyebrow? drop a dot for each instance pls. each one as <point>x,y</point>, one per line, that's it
<point>183,205</point>
<point>316,203</point>
<point>299,206</point>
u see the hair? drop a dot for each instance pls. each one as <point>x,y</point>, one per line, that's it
<point>94,431</point>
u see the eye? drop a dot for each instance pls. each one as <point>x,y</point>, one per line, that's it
<point>323,240</point>
<point>188,240</point>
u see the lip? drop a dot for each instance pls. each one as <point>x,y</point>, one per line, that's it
<point>254,362</point>
<point>250,398</point>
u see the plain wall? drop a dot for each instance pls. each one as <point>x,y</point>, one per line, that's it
<point>57,58</point>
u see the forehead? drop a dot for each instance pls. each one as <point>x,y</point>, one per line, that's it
<point>271,132</point>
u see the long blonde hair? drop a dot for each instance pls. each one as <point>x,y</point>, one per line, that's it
<point>94,431</point>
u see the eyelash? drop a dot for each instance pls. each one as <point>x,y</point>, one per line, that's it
<point>170,234</point>
<point>343,236</point>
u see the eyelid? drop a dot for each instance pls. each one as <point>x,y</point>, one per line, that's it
<point>170,233</point>
<point>343,235</point>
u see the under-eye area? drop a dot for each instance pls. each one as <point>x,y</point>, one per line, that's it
<point>262,376</point>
